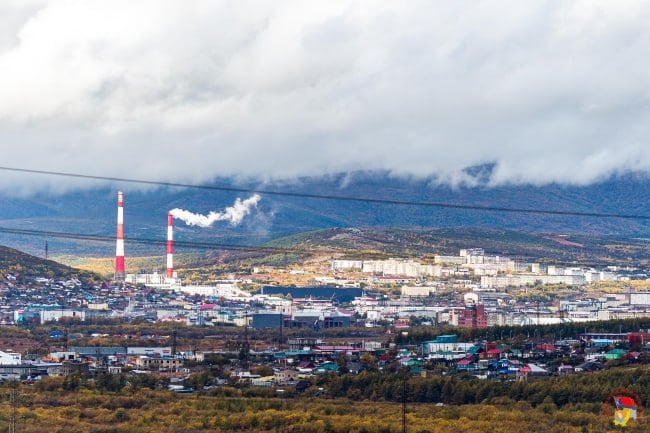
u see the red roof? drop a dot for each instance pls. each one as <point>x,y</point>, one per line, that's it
<point>622,401</point>
<point>549,347</point>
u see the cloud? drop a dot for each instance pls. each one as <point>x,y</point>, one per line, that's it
<point>544,91</point>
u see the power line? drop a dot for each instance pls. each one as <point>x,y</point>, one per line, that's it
<point>259,249</point>
<point>266,249</point>
<point>332,197</point>
<point>156,242</point>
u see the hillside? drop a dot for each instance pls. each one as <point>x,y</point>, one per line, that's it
<point>25,265</point>
<point>319,246</point>
<point>382,243</point>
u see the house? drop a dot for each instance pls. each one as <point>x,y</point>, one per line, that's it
<point>589,366</point>
<point>64,356</point>
<point>411,362</point>
<point>516,353</point>
<point>545,348</point>
<point>494,354</point>
<point>159,363</point>
<point>328,367</point>
<point>302,385</point>
<point>475,351</point>
<point>633,356</point>
<point>531,370</point>
<point>504,366</point>
<point>305,366</point>
<point>286,375</point>
<point>466,364</point>
<point>266,381</point>
<point>615,354</point>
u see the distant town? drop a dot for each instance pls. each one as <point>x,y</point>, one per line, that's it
<point>378,299</point>
<point>471,289</point>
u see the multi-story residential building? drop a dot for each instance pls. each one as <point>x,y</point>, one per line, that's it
<point>473,317</point>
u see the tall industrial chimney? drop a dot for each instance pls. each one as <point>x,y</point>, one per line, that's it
<point>170,245</point>
<point>119,245</point>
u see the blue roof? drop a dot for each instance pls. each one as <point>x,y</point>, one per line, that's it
<point>451,338</point>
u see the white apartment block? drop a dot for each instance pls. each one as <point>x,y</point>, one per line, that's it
<point>408,268</point>
<point>417,291</point>
<point>56,315</point>
<point>347,265</point>
<point>492,282</point>
<point>640,298</point>
<point>9,358</point>
<point>452,260</point>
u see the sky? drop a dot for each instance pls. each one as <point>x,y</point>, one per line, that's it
<point>187,91</point>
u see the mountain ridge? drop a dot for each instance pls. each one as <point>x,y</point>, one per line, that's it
<point>93,211</point>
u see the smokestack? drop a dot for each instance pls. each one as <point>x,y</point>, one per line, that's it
<point>170,245</point>
<point>119,245</point>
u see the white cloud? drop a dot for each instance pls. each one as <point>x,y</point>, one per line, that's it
<point>549,91</point>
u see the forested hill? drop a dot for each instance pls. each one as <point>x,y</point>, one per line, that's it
<point>24,265</point>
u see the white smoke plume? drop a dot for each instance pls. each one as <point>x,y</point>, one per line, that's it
<point>233,214</point>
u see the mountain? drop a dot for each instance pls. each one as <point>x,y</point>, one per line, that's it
<point>93,212</point>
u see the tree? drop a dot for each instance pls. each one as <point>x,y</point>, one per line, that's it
<point>368,362</point>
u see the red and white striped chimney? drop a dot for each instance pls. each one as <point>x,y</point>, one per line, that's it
<point>170,245</point>
<point>119,244</point>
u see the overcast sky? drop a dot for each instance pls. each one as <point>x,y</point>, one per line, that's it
<point>183,91</point>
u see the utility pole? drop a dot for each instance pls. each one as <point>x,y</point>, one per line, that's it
<point>13,397</point>
<point>281,326</point>
<point>404,404</point>
<point>246,343</point>
<point>538,319</point>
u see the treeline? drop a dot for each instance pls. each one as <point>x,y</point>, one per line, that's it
<point>586,388</point>
<point>417,335</point>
